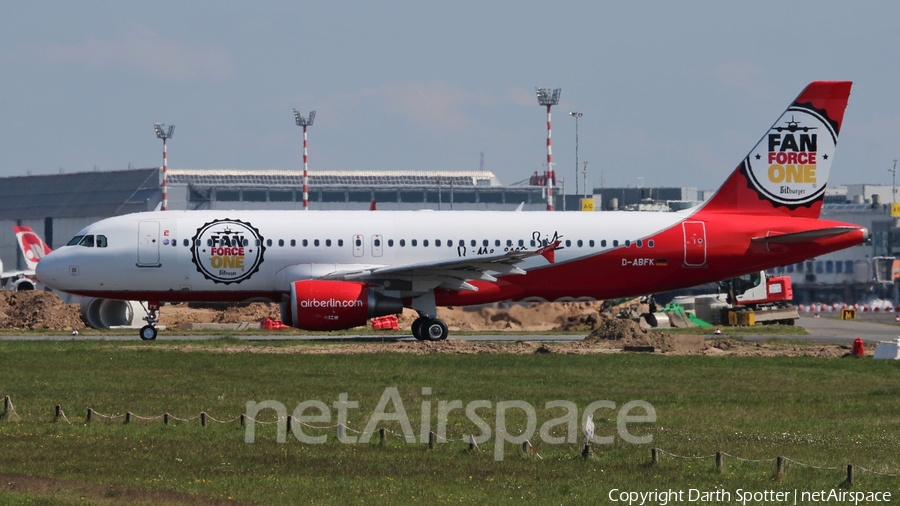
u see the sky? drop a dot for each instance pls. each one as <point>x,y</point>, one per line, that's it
<point>672,93</point>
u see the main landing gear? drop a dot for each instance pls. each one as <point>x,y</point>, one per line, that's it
<point>148,332</point>
<point>432,329</point>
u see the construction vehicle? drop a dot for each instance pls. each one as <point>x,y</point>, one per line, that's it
<point>757,299</point>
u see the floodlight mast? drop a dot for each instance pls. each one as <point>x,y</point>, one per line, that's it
<point>305,122</point>
<point>576,115</point>
<point>164,134</point>
<point>548,98</point>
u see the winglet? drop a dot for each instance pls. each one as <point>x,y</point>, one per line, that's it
<point>548,251</point>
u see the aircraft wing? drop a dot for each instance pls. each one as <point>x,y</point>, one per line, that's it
<point>450,274</point>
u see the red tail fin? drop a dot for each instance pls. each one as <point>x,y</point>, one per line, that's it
<point>33,248</point>
<point>786,173</point>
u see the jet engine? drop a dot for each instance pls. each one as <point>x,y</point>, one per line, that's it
<point>109,313</point>
<point>334,305</point>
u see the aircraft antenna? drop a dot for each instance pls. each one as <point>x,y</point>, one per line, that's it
<point>547,97</point>
<point>164,134</point>
<point>305,122</point>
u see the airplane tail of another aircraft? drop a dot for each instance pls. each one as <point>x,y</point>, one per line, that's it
<point>33,247</point>
<point>787,171</point>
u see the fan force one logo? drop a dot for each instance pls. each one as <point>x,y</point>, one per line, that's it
<point>227,251</point>
<point>791,164</point>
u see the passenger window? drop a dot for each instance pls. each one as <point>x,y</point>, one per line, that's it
<point>340,243</point>
<point>533,244</point>
<point>485,242</point>
<point>281,242</point>
<point>650,243</point>
<point>473,243</point>
<point>87,242</point>
<point>521,243</point>
<point>268,242</point>
<point>101,241</point>
<point>186,243</point>
<point>449,243</point>
<point>413,242</point>
<point>390,243</point>
<point>615,242</point>
<point>496,243</point>
<point>425,243</point>
<point>358,242</point>
<point>316,243</point>
<point>402,242</point>
<point>328,242</point>
<point>640,243</point>
<point>246,243</point>
<point>75,240</point>
<point>377,243</point>
<point>591,243</point>
<point>305,243</point>
<point>603,243</point>
<point>257,242</point>
<point>293,242</point>
<point>580,243</point>
<point>437,242</point>
<point>627,243</point>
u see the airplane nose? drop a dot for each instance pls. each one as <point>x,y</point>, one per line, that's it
<point>49,270</point>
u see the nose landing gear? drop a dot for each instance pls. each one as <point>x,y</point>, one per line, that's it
<point>148,332</point>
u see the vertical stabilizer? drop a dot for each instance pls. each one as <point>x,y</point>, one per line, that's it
<point>787,171</point>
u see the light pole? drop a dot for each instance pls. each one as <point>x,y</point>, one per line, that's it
<point>576,115</point>
<point>305,122</point>
<point>894,185</point>
<point>547,97</point>
<point>162,133</point>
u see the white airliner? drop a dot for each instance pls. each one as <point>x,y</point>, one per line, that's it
<point>333,269</point>
<point>33,249</point>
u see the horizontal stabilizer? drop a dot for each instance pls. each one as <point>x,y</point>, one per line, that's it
<point>805,236</point>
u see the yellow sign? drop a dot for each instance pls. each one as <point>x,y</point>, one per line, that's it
<point>587,204</point>
<point>895,209</point>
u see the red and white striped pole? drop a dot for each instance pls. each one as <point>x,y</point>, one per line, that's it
<point>305,122</point>
<point>549,165</point>
<point>165,181</point>
<point>305,173</point>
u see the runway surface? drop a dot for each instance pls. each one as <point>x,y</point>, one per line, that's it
<point>870,327</point>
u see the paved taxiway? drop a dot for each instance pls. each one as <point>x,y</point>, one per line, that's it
<point>870,327</point>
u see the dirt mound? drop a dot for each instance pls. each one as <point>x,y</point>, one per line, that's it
<point>38,310</point>
<point>173,316</point>
<point>527,317</point>
<point>619,333</point>
<point>249,313</point>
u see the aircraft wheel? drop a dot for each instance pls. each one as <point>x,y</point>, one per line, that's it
<point>148,332</point>
<point>417,326</point>
<point>435,330</point>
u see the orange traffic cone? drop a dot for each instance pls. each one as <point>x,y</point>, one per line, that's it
<point>858,349</point>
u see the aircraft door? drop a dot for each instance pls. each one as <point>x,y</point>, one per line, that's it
<point>358,247</point>
<point>694,243</point>
<point>148,244</point>
<point>377,245</point>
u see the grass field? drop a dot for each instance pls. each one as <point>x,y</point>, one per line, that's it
<point>827,413</point>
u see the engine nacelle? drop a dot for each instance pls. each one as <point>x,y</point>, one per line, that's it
<point>334,305</point>
<point>21,284</point>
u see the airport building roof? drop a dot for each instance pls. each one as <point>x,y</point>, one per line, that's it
<point>79,194</point>
<point>204,177</point>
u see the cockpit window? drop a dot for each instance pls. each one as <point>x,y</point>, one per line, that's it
<point>75,240</point>
<point>87,242</point>
<point>101,241</point>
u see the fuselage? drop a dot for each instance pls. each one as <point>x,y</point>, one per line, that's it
<point>177,256</point>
